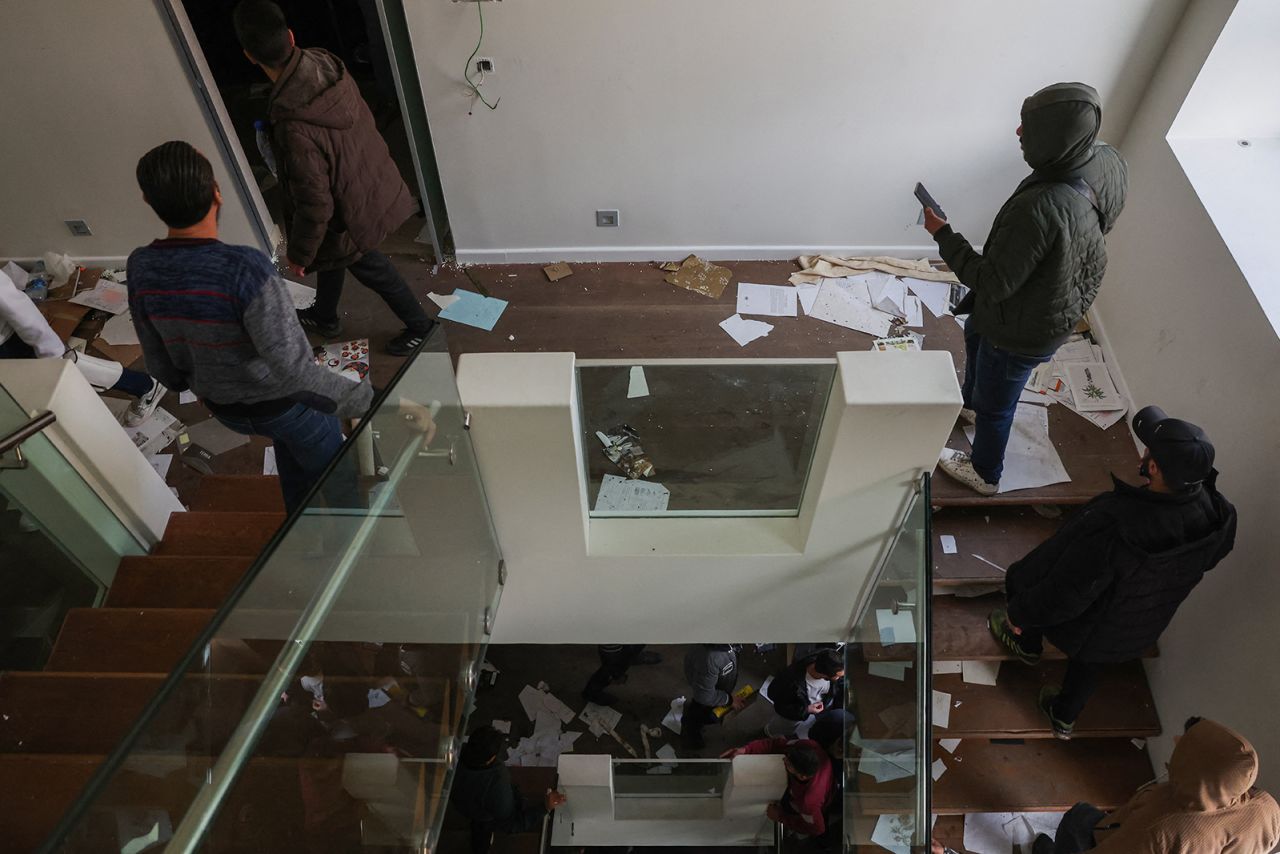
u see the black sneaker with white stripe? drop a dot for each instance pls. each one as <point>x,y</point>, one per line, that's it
<point>408,341</point>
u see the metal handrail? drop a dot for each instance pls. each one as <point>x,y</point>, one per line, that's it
<point>26,431</point>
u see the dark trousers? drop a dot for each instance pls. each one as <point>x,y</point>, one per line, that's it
<point>376,272</point>
<point>993,381</point>
<point>696,716</point>
<point>1075,834</point>
<point>134,383</point>
<point>614,661</point>
<point>1078,684</point>
<point>306,441</point>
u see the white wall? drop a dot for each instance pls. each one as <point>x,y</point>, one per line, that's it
<point>752,128</point>
<point>86,89</point>
<point>1188,330</point>
<point>686,580</point>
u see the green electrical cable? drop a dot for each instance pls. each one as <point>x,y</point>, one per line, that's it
<point>467,72</point>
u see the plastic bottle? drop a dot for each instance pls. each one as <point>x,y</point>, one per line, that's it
<point>36,289</point>
<point>264,146</point>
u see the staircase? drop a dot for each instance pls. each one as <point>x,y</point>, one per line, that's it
<point>1008,759</point>
<point>57,726</point>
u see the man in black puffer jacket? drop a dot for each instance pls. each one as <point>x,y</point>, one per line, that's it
<point>1104,587</point>
<point>1039,270</point>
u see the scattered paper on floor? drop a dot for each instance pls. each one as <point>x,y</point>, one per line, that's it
<point>161,463</point>
<point>269,462</point>
<point>637,384</point>
<point>119,330</point>
<point>599,719</point>
<point>980,672</point>
<point>896,670</point>
<point>675,714</point>
<point>847,303</point>
<point>1092,388</point>
<point>941,709</point>
<point>1030,459</point>
<point>806,292</point>
<point>816,267</point>
<point>936,296</point>
<point>443,300</point>
<point>915,315</point>
<point>185,397</point>
<point>624,495</point>
<point>937,769</point>
<point>999,832</point>
<point>215,437</point>
<point>768,300</point>
<point>502,726</point>
<point>887,759</point>
<point>948,544</point>
<point>943,667</point>
<point>472,309</point>
<point>348,359</point>
<point>895,628</point>
<point>105,296</point>
<point>745,331</point>
<point>895,833</point>
<point>303,296</point>
<point>949,744</point>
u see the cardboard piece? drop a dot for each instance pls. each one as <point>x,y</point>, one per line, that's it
<point>556,272</point>
<point>701,277</point>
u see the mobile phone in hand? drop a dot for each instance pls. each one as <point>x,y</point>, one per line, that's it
<point>927,200</point>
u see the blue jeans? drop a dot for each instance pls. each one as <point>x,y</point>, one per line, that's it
<point>305,440</point>
<point>993,381</point>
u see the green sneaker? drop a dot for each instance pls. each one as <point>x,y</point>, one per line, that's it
<point>998,623</point>
<point>1061,729</point>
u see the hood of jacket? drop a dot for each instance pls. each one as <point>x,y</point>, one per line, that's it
<point>1060,126</point>
<point>1212,767</point>
<point>315,88</point>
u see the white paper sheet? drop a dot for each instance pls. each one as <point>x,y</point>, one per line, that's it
<point>935,295</point>
<point>768,300</point>
<point>848,304</point>
<point>16,274</point>
<point>185,397</point>
<point>984,833</point>
<point>896,670</point>
<point>895,628</point>
<point>1092,388</point>
<point>914,310</point>
<point>937,769</point>
<point>889,295</point>
<point>806,293</point>
<point>545,724</point>
<point>119,330</point>
<point>1030,459</point>
<point>949,744</point>
<point>675,715</point>
<point>443,300</point>
<point>948,544</point>
<point>941,709</point>
<point>887,759</point>
<point>637,385</point>
<point>745,331</point>
<point>894,833</point>
<point>161,463</point>
<point>105,296</point>
<point>980,672</point>
<point>624,495</point>
<point>155,432</point>
<point>941,668</point>
<point>600,717</point>
<point>502,726</point>
<point>557,707</point>
<point>303,296</point>
<point>269,462</point>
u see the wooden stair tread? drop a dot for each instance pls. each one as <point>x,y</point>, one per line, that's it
<point>34,793</point>
<point>252,493</point>
<point>960,634</point>
<point>175,581</point>
<point>1089,455</point>
<point>1121,707</point>
<point>1039,775</point>
<point>218,534</point>
<point>126,640</point>
<point>1002,535</point>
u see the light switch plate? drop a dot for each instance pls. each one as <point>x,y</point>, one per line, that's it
<point>607,219</point>
<point>79,227</point>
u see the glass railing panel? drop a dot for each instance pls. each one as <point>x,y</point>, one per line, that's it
<point>713,438</point>
<point>888,752</point>
<point>324,705</point>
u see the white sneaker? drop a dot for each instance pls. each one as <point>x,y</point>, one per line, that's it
<point>140,410</point>
<point>959,465</point>
<point>968,416</point>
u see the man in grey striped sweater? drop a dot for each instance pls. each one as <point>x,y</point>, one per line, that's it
<point>218,320</point>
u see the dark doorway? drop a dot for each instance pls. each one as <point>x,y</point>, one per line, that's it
<point>349,29</point>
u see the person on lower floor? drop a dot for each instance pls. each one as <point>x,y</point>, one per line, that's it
<point>615,660</point>
<point>484,794</point>
<point>712,671</point>
<point>1108,582</point>
<point>343,193</point>
<point>25,334</point>
<point>1040,268</point>
<point>810,786</point>
<point>808,686</point>
<point>218,320</point>
<point>1207,806</point>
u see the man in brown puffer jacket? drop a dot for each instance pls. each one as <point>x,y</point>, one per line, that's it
<point>1207,806</point>
<point>343,193</point>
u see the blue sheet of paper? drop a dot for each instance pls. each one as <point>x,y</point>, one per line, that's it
<point>475,310</point>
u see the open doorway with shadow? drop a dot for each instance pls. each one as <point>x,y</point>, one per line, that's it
<point>354,32</point>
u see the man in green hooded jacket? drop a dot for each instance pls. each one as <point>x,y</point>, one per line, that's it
<point>1039,270</point>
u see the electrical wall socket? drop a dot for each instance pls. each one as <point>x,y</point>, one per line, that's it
<point>484,65</point>
<point>606,219</point>
<point>79,227</point>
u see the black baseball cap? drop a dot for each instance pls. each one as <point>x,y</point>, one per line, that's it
<point>1181,449</point>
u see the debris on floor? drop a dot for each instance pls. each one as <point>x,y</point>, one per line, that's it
<point>472,309</point>
<point>622,448</point>
<point>637,385</point>
<point>556,272</point>
<point>745,331</point>
<point>349,357</point>
<point>815,268</point>
<point>906,343</point>
<point>701,277</point>
<point>623,495</point>
<point>443,300</point>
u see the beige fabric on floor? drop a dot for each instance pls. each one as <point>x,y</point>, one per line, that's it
<point>815,268</point>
